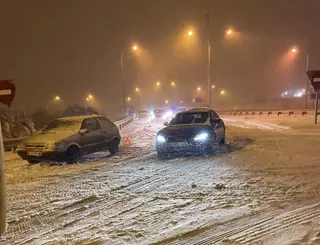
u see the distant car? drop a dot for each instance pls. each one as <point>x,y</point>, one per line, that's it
<point>68,138</point>
<point>195,130</point>
<point>143,114</point>
<point>158,113</point>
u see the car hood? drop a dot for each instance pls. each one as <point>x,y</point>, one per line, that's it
<point>186,130</point>
<point>49,137</point>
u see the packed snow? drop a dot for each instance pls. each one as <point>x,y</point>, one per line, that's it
<point>262,187</point>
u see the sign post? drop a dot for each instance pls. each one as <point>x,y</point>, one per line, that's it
<point>7,92</point>
<point>316,113</point>
<point>314,77</point>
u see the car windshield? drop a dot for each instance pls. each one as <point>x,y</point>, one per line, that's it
<point>190,118</point>
<point>62,125</point>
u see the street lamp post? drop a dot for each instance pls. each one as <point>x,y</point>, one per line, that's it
<point>294,50</point>
<point>134,48</point>
<point>123,88</point>
<point>307,80</point>
<point>209,60</point>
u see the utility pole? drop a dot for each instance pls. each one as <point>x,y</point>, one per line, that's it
<point>307,68</point>
<point>123,87</point>
<point>209,58</point>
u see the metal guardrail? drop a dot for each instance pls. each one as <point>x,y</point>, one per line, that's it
<point>300,112</point>
<point>124,122</point>
<point>12,143</point>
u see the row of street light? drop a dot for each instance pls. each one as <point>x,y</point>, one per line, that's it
<point>90,97</point>
<point>190,33</point>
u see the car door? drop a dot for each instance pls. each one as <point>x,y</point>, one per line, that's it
<point>91,140</point>
<point>218,125</point>
<point>108,131</point>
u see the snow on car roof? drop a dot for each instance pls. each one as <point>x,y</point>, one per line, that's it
<point>78,118</point>
<point>199,109</point>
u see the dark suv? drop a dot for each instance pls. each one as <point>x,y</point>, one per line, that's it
<point>68,138</point>
<point>195,130</point>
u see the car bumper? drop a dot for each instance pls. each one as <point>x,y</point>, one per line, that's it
<point>43,155</point>
<point>184,147</point>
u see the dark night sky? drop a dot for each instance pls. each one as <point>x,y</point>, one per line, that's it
<point>72,48</point>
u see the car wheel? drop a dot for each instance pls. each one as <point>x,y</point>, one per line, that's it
<point>114,147</point>
<point>162,154</point>
<point>33,161</point>
<point>223,140</point>
<point>73,154</point>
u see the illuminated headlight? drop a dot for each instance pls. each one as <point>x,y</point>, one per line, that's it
<point>59,146</point>
<point>161,139</point>
<point>201,137</point>
<point>21,147</point>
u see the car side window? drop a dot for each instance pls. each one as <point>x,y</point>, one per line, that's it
<point>90,124</point>
<point>213,115</point>
<point>105,123</point>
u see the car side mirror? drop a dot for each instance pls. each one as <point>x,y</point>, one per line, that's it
<point>166,124</point>
<point>83,131</point>
<point>215,120</point>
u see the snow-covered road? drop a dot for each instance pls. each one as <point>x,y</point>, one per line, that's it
<point>262,188</point>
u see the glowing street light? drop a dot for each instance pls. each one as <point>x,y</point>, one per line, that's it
<point>166,101</point>
<point>295,50</point>
<point>134,48</point>
<point>213,86</point>
<point>173,84</point>
<point>190,33</point>
<point>57,98</point>
<point>137,89</point>
<point>222,92</point>
<point>194,100</point>
<point>158,84</point>
<point>198,89</point>
<point>90,97</point>
<point>129,99</point>
<point>229,32</point>
<point>87,98</point>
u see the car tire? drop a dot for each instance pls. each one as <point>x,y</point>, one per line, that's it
<point>162,154</point>
<point>33,161</point>
<point>73,154</point>
<point>223,140</point>
<point>114,146</point>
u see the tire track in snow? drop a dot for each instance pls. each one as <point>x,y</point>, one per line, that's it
<point>250,233</point>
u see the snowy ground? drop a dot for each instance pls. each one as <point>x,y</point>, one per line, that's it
<point>262,188</point>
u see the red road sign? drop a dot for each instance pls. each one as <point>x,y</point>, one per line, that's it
<point>7,92</point>
<point>314,76</point>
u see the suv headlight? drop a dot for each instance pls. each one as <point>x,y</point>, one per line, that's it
<point>59,146</point>
<point>161,139</point>
<point>21,147</point>
<point>201,137</point>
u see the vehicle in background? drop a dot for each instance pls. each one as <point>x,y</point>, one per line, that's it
<point>143,114</point>
<point>68,138</point>
<point>196,130</point>
<point>158,113</point>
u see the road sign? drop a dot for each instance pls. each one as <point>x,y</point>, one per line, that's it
<point>7,92</point>
<point>313,96</point>
<point>198,100</point>
<point>314,76</point>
